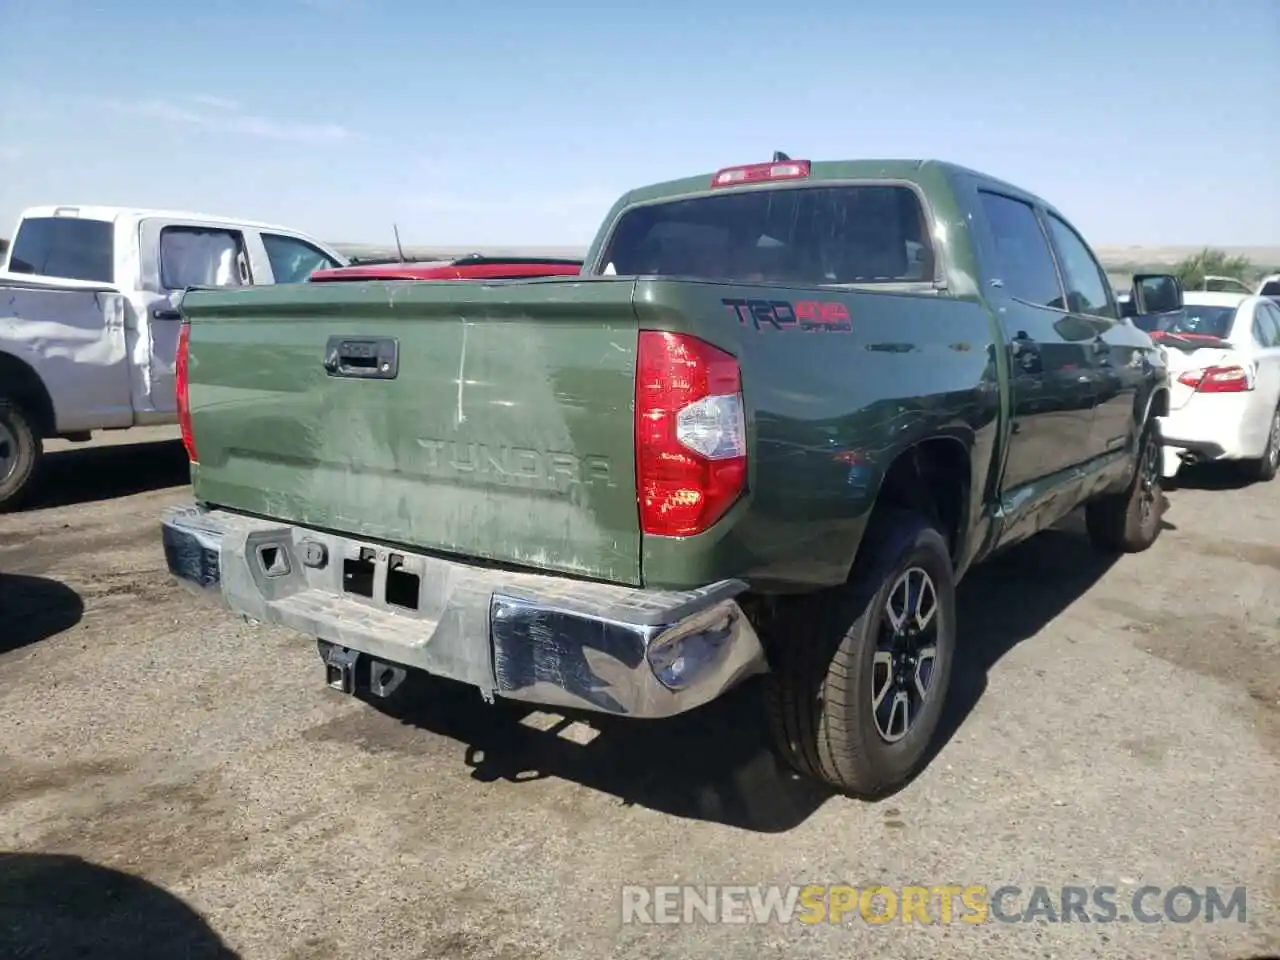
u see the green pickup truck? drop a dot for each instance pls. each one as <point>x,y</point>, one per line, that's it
<point>776,418</point>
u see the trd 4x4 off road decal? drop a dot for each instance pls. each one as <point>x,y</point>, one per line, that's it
<point>810,316</point>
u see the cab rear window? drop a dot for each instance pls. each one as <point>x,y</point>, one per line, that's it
<point>853,234</point>
<point>1200,321</point>
<point>66,247</point>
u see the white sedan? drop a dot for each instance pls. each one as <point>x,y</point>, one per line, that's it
<point>1223,351</point>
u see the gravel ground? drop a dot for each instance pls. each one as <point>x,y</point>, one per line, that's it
<point>174,782</point>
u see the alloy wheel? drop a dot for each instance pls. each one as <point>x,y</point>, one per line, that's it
<point>906,653</point>
<point>1148,481</point>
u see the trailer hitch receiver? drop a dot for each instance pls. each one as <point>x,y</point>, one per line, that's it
<point>339,666</point>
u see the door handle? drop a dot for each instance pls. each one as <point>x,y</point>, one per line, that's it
<point>165,313</point>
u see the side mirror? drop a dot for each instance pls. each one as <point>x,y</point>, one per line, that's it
<point>1155,293</point>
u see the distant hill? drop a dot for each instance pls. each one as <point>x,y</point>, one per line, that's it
<point>1120,256</point>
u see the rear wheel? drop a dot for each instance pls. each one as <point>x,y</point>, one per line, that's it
<point>20,454</point>
<point>860,673</point>
<point>1266,467</point>
<point>1129,521</point>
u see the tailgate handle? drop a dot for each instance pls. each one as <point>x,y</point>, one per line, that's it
<point>364,358</point>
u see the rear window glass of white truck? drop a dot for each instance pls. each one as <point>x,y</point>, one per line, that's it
<point>65,247</point>
<point>1200,321</point>
<point>874,233</point>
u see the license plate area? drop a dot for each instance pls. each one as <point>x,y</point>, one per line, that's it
<point>385,577</point>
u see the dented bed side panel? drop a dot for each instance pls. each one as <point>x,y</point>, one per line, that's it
<point>503,435</point>
<point>76,340</point>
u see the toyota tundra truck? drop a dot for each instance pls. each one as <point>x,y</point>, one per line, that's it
<point>766,429</point>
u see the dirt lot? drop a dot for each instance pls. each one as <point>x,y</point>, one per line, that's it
<point>174,782</point>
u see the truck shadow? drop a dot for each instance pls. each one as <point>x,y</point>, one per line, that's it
<point>1209,476</point>
<point>90,474</point>
<point>33,609</point>
<point>55,907</point>
<point>711,764</point>
<point>716,763</point>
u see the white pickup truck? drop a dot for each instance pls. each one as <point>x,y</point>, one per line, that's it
<point>88,329</point>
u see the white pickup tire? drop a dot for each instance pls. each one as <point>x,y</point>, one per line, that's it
<point>21,451</point>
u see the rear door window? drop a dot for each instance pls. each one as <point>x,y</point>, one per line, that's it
<point>66,247</point>
<point>202,257</point>
<point>1023,260</point>
<point>849,234</point>
<point>293,260</point>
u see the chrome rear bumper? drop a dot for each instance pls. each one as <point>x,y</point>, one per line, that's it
<point>523,636</point>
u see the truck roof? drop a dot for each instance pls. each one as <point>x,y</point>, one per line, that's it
<point>926,173</point>
<point>112,213</point>
<point>867,168</point>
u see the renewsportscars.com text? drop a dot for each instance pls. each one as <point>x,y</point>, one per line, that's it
<point>946,903</point>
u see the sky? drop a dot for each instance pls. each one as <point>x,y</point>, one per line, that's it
<point>520,122</point>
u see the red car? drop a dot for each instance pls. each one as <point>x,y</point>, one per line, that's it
<point>474,267</point>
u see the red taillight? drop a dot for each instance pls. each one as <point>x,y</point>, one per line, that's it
<point>181,382</point>
<point>1218,380</point>
<point>757,172</point>
<point>691,436</point>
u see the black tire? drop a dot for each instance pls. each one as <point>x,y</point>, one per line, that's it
<point>1130,521</point>
<point>1265,468</point>
<point>825,668</point>
<point>21,451</point>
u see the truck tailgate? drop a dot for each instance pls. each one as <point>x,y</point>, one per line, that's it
<point>502,428</point>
